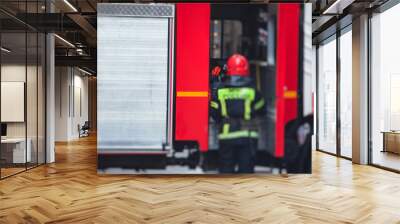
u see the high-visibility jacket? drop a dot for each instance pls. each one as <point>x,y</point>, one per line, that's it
<point>234,105</point>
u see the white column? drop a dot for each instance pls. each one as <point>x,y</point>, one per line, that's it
<point>50,99</point>
<point>360,90</point>
<point>50,93</point>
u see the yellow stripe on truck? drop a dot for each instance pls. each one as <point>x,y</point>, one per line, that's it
<point>290,94</point>
<point>192,94</point>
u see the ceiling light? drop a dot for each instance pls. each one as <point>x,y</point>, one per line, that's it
<point>65,41</point>
<point>5,50</point>
<point>70,5</point>
<point>326,11</point>
<point>337,7</point>
<point>84,71</point>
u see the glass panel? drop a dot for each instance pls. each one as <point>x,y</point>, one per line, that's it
<point>346,94</point>
<point>327,97</point>
<point>41,98</point>
<point>31,89</point>
<point>385,84</point>
<point>13,86</point>
<point>232,37</point>
<point>216,39</point>
<point>22,74</point>
<point>314,97</point>
<point>31,97</point>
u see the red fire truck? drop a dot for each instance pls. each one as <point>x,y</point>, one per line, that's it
<point>204,35</point>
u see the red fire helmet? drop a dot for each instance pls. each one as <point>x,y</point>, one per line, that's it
<point>238,65</point>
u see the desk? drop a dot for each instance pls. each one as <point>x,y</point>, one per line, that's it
<point>391,141</point>
<point>18,149</point>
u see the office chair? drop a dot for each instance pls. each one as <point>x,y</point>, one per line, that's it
<point>84,130</point>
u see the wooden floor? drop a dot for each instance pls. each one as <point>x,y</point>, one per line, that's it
<point>70,191</point>
<point>5,172</point>
<point>387,159</point>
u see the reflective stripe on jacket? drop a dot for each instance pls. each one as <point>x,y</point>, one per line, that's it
<point>234,108</point>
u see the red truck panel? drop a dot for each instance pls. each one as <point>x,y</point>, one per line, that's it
<point>192,68</point>
<point>287,70</point>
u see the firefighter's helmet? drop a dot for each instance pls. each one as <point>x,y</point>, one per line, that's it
<point>238,65</point>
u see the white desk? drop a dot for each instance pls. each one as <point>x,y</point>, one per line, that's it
<point>19,154</point>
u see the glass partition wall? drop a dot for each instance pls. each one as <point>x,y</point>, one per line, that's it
<point>345,91</point>
<point>385,89</point>
<point>22,88</point>
<point>13,86</point>
<point>327,96</point>
<point>334,94</point>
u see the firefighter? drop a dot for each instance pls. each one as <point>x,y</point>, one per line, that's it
<point>234,105</point>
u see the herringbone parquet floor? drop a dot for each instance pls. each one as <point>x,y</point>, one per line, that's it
<point>70,191</point>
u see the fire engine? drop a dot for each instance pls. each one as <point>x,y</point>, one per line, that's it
<point>199,37</point>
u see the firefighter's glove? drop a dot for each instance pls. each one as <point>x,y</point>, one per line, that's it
<point>216,71</point>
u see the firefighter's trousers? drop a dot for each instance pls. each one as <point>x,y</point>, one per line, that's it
<point>238,153</point>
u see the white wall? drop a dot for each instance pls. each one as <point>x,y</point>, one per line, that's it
<point>14,72</point>
<point>80,112</point>
<point>33,126</point>
<point>17,73</point>
<point>71,102</point>
<point>62,82</point>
